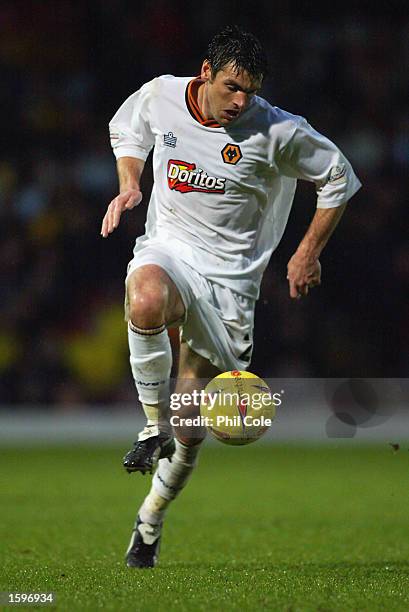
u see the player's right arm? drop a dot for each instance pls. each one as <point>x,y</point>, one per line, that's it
<point>131,139</point>
<point>129,173</point>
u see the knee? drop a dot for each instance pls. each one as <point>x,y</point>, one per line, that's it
<point>194,368</point>
<point>147,310</point>
<point>192,440</point>
<point>147,303</point>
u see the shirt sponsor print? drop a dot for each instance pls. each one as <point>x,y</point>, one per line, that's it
<point>186,177</point>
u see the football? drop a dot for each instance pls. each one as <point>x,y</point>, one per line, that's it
<point>237,407</point>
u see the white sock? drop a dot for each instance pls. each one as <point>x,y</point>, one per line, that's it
<point>158,421</point>
<point>171,476</point>
<point>168,481</point>
<point>151,362</point>
<point>153,508</point>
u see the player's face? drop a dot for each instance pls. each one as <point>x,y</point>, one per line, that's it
<point>227,94</point>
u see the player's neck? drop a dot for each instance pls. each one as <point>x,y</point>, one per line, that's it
<point>202,101</point>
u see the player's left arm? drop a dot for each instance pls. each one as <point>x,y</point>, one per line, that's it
<point>304,268</point>
<point>310,156</point>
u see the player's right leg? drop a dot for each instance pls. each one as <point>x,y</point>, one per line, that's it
<point>153,303</point>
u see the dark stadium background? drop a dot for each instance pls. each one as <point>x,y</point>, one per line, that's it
<point>66,67</point>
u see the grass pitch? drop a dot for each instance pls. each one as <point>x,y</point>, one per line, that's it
<point>262,527</point>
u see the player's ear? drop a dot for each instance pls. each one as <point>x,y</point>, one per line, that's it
<point>206,71</point>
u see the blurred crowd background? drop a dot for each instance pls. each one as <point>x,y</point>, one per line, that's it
<point>67,66</point>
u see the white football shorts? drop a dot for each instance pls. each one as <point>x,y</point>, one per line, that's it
<point>218,322</point>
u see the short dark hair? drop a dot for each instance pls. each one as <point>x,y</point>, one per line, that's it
<point>242,49</point>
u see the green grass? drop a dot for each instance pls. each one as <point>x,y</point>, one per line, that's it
<point>262,527</point>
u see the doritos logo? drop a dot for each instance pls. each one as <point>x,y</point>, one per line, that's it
<point>185,177</point>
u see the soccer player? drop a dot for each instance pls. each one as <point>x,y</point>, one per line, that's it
<point>225,166</point>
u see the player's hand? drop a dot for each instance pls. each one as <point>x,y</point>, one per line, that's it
<point>302,273</point>
<point>124,201</point>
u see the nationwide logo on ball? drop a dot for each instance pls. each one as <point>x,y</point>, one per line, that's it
<point>185,177</point>
<point>238,407</point>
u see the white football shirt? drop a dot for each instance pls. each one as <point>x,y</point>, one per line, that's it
<point>222,195</point>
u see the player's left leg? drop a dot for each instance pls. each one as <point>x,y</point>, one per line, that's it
<point>172,474</point>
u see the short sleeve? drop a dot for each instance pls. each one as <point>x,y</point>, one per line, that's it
<point>310,156</point>
<point>129,129</point>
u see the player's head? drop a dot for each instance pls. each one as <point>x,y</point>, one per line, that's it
<point>243,51</point>
<point>233,71</point>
